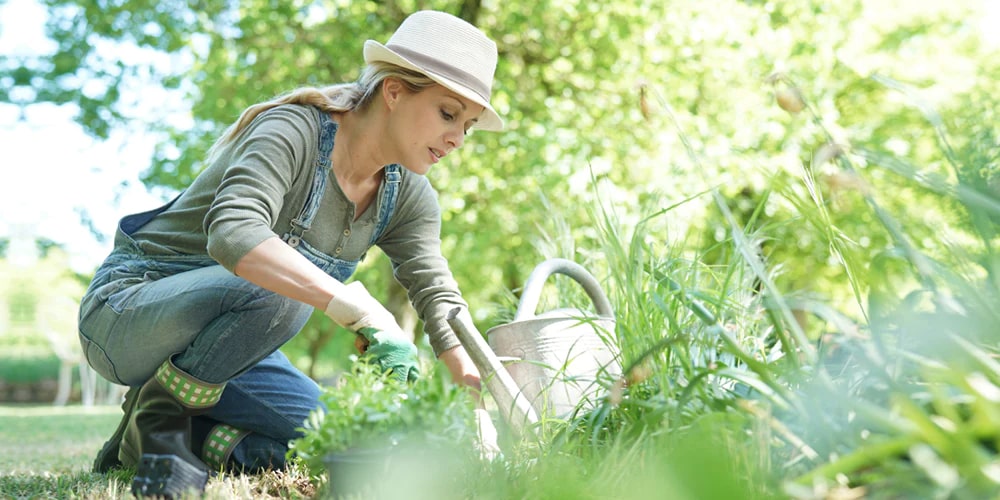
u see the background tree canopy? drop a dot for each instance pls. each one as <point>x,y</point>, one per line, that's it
<point>633,106</point>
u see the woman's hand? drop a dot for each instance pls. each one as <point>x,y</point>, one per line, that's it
<point>463,370</point>
<point>355,309</point>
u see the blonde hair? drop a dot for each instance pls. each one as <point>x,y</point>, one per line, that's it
<point>339,98</point>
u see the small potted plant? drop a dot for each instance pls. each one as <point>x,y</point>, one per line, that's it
<point>378,434</point>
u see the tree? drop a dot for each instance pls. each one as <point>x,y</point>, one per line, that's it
<point>635,106</point>
<point>39,301</point>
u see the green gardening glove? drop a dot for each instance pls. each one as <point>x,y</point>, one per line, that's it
<point>392,353</point>
<point>379,336</point>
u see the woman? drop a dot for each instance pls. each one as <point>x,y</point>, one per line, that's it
<point>191,306</point>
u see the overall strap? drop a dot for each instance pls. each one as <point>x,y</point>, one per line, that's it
<point>303,221</point>
<point>387,204</point>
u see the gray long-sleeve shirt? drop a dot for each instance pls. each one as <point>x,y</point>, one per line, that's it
<point>260,181</point>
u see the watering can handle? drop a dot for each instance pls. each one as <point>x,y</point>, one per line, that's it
<point>533,287</point>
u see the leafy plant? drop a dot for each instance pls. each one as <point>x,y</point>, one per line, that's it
<point>367,410</point>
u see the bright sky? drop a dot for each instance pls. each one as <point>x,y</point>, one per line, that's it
<point>52,169</point>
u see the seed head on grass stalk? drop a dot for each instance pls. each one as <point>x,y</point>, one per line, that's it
<point>786,94</point>
<point>681,363</point>
<point>797,341</point>
<point>885,219</point>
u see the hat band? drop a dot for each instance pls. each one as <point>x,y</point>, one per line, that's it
<point>450,72</point>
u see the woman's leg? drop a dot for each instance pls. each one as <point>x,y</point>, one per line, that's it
<point>207,324</point>
<point>270,402</point>
<point>215,323</point>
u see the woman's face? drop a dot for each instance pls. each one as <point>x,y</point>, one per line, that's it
<point>430,124</point>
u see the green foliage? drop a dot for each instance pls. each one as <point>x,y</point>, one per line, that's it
<point>23,369</point>
<point>898,406</point>
<point>367,410</point>
<point>38,308</point>
<point>698,461</point>
<point>811,289</point>
<point>588,93</point>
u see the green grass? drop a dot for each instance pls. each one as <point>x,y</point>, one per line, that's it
<point>46,452</point>
<point>54,439</point>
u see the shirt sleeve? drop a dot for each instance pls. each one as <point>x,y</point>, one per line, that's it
<point>413,244</point>
<point>264,162</point>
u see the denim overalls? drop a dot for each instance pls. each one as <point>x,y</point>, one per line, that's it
<point>139,310</point>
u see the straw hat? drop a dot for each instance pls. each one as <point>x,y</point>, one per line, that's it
<point>450,51</point>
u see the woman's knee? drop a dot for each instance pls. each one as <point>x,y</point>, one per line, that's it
<point>284,314</point>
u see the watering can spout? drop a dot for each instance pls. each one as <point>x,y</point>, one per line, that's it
<point>514,406</point>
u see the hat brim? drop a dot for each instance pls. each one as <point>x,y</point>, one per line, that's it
<point>489,120</point>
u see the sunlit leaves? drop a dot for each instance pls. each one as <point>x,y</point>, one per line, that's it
<point>589,91</point>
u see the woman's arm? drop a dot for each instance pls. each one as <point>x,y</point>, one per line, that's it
<point>461,367</point>
<point>412,243</point>
<point>277,267</point>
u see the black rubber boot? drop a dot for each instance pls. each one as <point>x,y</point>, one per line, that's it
<point>107,458</point>
<point>159,434</point>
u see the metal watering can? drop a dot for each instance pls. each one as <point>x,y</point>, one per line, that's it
<point>548,363</point>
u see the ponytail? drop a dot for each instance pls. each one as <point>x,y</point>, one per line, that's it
<point>337,98</point>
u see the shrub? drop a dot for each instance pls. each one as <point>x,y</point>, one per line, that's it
<point>367,410</point>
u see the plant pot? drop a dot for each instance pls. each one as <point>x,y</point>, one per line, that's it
<point>357,471</point>
<point>398,471</point>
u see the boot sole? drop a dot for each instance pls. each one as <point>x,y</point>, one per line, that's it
<point>167,476</point>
